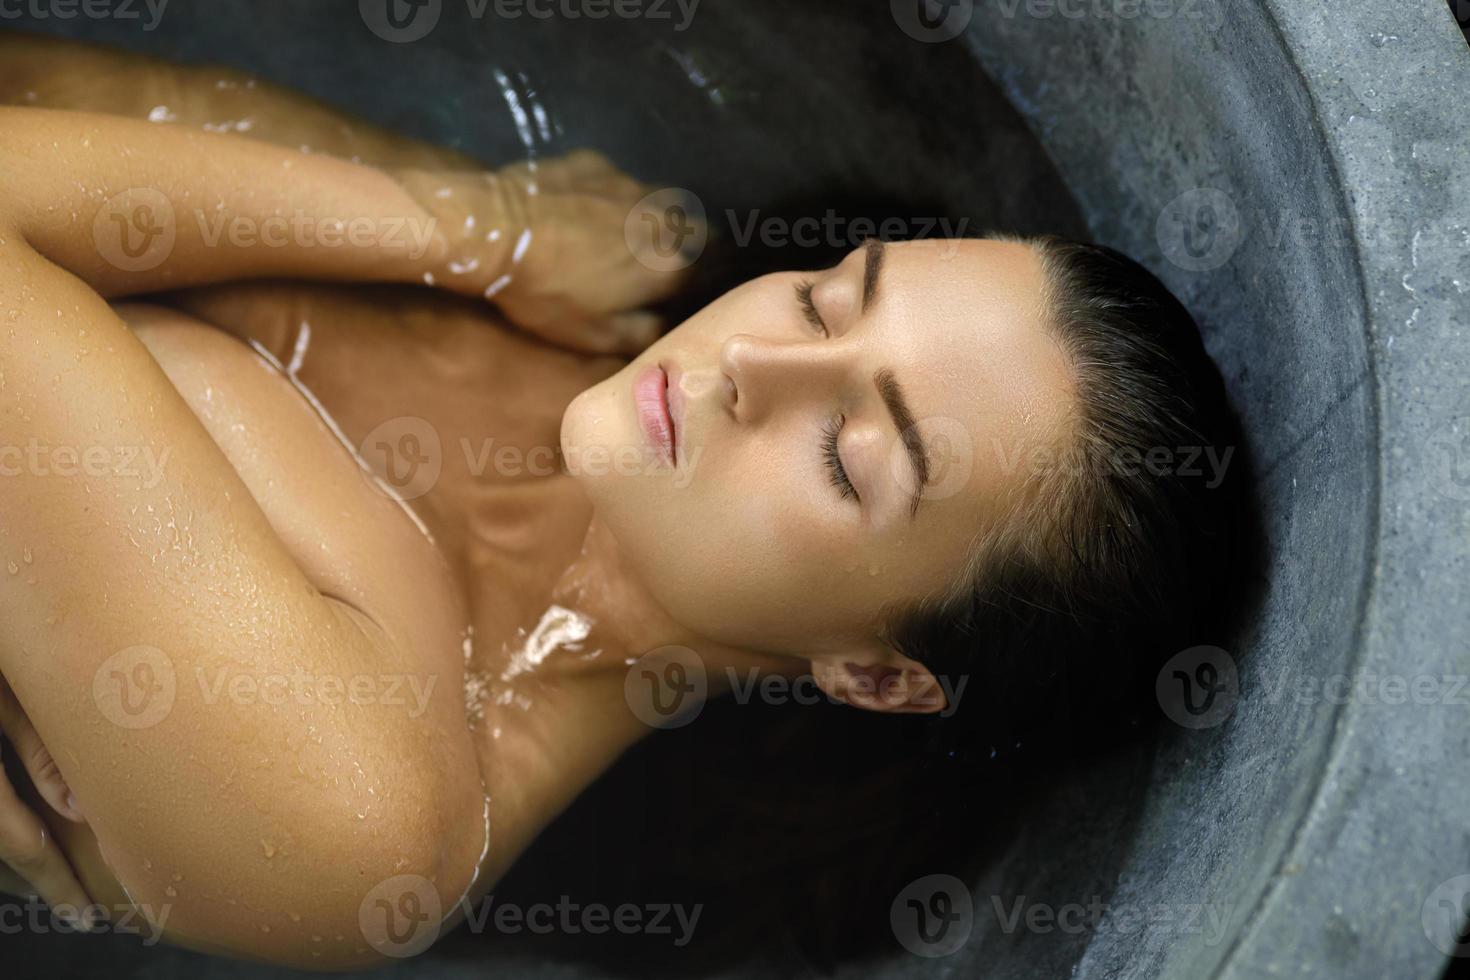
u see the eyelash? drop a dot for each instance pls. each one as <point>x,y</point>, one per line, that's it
<point>838,477</point>
<point>808,306</point>
<point>838,473</point>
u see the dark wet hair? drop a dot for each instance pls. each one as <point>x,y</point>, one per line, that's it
<point>824,813</point>
<point>1111,553</point>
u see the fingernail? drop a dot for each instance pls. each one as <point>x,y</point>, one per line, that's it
<point>71,805</point>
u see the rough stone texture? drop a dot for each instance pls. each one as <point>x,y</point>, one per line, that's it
<point>1314,832</point>
<point>1326,827</point>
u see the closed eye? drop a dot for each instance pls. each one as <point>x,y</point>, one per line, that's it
<point>809,306</point>
<point>837,473</point>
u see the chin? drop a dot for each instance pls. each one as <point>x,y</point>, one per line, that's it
<point>585,414</point>
<point>571,422</point>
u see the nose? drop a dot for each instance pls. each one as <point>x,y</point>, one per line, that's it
<point>766,373</point>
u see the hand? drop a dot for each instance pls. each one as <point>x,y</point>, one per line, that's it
<point>547,244</point>
<point>27,847</point>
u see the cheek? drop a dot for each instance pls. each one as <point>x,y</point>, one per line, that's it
<point>754,564</point>
<point>750,546</point>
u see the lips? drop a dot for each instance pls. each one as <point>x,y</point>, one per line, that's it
<point>651,400</point>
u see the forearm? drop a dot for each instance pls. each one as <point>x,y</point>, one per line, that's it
<point>545,240</point>
<point>50,73</point>
<point>132,208</point>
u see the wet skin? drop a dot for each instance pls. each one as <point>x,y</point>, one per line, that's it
<point>322,403</point>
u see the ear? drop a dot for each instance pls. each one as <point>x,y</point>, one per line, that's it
<point>879,678</point>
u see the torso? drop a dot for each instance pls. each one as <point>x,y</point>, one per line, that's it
<point>353,396</point>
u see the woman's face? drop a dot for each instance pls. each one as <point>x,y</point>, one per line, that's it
<point>793,512</point>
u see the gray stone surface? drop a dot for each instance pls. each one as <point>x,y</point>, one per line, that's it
<point>1328,826</point>
<point>1315,833</point>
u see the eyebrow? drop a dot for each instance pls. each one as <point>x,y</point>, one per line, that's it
<point>873,266</point>
<point>903,420</point>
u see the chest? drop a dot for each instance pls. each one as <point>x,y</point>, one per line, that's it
<point>452,412</point>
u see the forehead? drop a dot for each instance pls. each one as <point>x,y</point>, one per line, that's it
<point>963,323</point>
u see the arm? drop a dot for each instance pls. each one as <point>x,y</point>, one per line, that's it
<point>52,73</point>
<point>132,208</point>
<point>545,240</point>
<point>236,820</point>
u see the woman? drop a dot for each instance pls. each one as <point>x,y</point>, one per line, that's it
<point>307,636</point>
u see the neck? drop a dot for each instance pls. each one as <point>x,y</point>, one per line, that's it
<point>629,625</point>
<point>559,708</point>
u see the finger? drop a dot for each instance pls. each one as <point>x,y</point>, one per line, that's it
<point>29,850</point>
<point>34,755</point>
<point>620,333</point>
<point>631,333</point>
<point>633,286</point>
<point>588,163</point>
